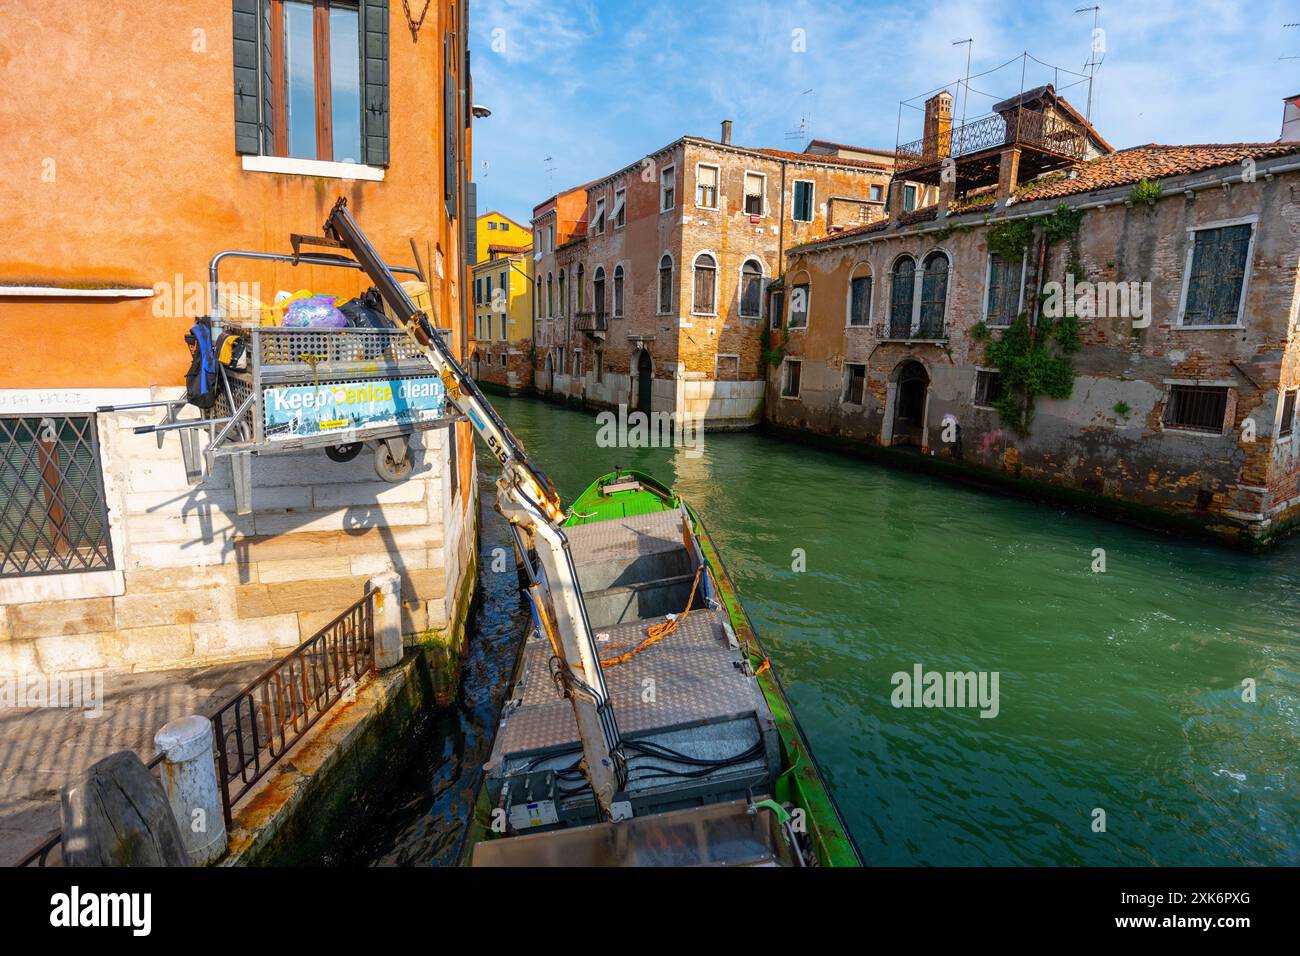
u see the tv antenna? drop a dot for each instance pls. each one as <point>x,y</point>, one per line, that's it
<point>549,164</point>
<point>1288,26</point>
<point>805,121</point>
<point>1094,60</point>
<point>970,43</point>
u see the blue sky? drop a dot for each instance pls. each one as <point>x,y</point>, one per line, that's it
<point>596,85</point>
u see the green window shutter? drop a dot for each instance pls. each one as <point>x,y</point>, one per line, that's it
<point>374,81</point>
<point>451,126</point>
<point>251,26</point>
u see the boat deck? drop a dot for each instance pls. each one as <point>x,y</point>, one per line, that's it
<point>691,691</point>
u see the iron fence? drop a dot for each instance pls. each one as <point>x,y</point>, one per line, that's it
<point>257,727</point>
<point>1014,127</point>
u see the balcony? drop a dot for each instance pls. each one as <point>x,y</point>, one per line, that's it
<point>595,324</point>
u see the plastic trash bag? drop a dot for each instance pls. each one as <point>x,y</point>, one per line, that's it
<point>314,312</point>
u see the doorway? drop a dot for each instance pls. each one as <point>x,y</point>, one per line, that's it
<point>913,386</point>
<point>644,381</point>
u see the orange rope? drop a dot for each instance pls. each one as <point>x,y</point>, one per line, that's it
<point>657,632</point>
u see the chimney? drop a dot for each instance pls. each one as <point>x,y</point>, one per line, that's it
<point>726,132</point>
<point>1291,119</point>
<point>938,126</point>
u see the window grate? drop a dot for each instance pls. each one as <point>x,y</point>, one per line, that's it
<point>52,516</point>
<point>1200,408</point>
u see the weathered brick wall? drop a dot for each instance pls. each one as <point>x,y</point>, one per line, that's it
<point>1086,442</point>
<point>196,583</point>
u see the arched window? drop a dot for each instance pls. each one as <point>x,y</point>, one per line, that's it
<point>562,302</point>
<point>902,292</point>
<point>550,297</point>
<point>537,306</point>
<point>665,284</point>
<point>598,290</point>
<point>934,296</point>
<point>859,304</point>
<point>751,289</point>
<point>618,291</point>
<point>706,284</point>
<point>582,289</point>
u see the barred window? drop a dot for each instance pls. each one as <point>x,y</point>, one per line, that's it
<point>1217,276</point>
<point>1196,407</point>
<point>52,513</point>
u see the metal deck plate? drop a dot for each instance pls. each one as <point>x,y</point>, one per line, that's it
<point>624,538</point>
<point>695,674</point>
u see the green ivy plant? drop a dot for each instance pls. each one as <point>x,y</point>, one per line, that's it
<point>773,354</point>
<point>1145,191</point>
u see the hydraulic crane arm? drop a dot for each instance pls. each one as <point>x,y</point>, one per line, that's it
<point>530,503</point>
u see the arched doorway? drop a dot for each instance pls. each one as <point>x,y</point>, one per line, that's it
<point>912,386</point>
<point>644,381</point>
<point>548,374</point>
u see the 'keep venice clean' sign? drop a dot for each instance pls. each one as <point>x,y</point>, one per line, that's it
<point>302,411</point>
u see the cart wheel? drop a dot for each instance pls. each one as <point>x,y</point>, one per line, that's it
<point>342,453</point>
<point>388,469</point>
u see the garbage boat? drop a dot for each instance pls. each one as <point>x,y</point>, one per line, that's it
<point>645,724</point>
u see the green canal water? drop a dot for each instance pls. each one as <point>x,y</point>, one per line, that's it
<point>1119,691</point>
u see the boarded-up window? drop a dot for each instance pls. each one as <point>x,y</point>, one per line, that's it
<point>1218,274</point>
<point>1196,407</point>
<point>751,290</point>
<point>855,383</point>
<point>706,274</point>
<point>1004,290</point>
<point>860,300</point>
<point>728,368</point>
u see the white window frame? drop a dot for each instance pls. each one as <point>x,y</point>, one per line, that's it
<point>812,200</point>
<point>872,192</point>
<point>762,193</point>
<point>789,302</point>
<point>1278,437</point>
<point>762,288</point>
<point>988,279</point>
<point>848,294</point>
<point>975,385</point>
<point>662,308</point>
<point>717,186</point>
<point>620,193</point>
<point>1253,222</point>
<point>717,268</point>
<point>663,172</point>
<point>598,218</point>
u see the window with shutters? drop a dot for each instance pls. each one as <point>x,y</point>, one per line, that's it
<point>909,198</point>
<point>859,296</point>
<point>704,300</point>
<point>562,301</point>
<point>934,297</point>
<point>665,284</point>
<point>855,383</point>
<point>311,79</point>
<point>776,309</point>
<point>706,187</point>
<point>902,292</point>
<point>1196,407</point>
<point>598,291</point>
<point>751,289</point>
<point>599,221</point>
<point>1006,277</point>
<point>618,292</point>
<point>620,208</point>
<point>803,200</point>
<point>755,194</point>
<point>667,188</point>
<point>52,513</point>
<point>1215,283</point>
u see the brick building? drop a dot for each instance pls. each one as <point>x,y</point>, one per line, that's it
<point>657,298</point>
<point>1114,328</point>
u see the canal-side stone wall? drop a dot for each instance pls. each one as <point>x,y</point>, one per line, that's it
<point>1109,439</point>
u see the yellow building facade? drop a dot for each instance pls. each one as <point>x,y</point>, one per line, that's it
<point>501,285</point>
<point>495,229</point>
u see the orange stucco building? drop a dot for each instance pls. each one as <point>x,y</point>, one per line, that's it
<point>141,141</point>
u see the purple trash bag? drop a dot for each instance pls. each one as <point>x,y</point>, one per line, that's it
<point>315,312</point>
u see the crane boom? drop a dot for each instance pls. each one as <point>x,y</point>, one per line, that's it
<point>528,500</point>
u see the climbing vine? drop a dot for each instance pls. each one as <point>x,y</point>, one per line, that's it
<point>1033,361</point>
<point>773,354</point>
